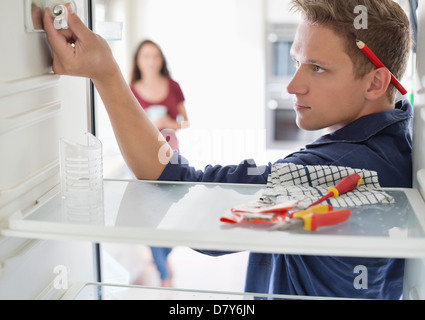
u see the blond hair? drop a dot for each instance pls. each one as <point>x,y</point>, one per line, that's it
<point>388,32</point>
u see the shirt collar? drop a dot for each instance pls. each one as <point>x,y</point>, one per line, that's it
<point>365,127</point>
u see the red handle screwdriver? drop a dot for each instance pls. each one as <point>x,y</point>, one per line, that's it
<point>345,185</point>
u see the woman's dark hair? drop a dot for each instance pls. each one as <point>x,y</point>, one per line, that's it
<point>136,73</point>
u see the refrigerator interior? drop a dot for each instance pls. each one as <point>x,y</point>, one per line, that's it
<point>37,108</point>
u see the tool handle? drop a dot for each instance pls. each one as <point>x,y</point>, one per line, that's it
<point>322,208</point>
<point>318,220</point>
<point>346,184</point>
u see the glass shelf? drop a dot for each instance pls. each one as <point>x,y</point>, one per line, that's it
<point>188,214</point>
<point>102,291</point>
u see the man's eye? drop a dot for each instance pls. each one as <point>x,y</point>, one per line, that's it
<point>318,69</point>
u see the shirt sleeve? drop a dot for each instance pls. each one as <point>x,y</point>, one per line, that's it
<point>246,172</point>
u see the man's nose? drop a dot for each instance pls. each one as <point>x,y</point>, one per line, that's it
<point>298,83</point>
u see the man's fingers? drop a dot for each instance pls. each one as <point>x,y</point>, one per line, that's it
<point>77,51</point>
<point>75,24</point>
<point>77,29</point>
<point>48,25</point>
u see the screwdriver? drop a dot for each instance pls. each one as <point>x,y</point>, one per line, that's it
<point>345,185</point>
<point>313,218</point>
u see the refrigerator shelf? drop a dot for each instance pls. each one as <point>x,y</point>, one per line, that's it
<point>188,214</point>
<point>105,291</point>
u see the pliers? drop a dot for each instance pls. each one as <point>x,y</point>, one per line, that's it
<point>313,218</point>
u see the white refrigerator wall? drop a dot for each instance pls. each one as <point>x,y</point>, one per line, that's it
<point>419,125</point>
<point>415,269</point>
<point>37,108</point>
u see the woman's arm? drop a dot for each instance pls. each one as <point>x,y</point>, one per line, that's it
<point>183,113</point>
<point>167,122</point>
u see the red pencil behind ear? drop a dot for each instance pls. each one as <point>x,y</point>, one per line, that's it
<point>372,57</point>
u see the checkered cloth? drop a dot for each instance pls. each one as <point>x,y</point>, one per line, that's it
<point>306,184</point>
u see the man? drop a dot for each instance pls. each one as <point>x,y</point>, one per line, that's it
<point>335,87</point>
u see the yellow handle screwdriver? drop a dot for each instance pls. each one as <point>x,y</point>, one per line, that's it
<point>345,185</point>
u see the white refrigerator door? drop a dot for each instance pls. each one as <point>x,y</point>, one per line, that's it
<point>36,109</point>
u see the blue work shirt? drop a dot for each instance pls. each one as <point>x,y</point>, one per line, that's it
<point>381,142</point>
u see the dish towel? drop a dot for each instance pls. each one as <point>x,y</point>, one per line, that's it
<point>306,184</point>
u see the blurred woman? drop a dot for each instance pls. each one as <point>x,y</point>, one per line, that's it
<point>157,92</point>
<point>163,100</point>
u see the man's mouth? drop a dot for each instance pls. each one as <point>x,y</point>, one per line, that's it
<point>299,106</point>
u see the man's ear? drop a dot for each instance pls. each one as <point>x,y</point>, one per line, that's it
<point>379,80</point>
